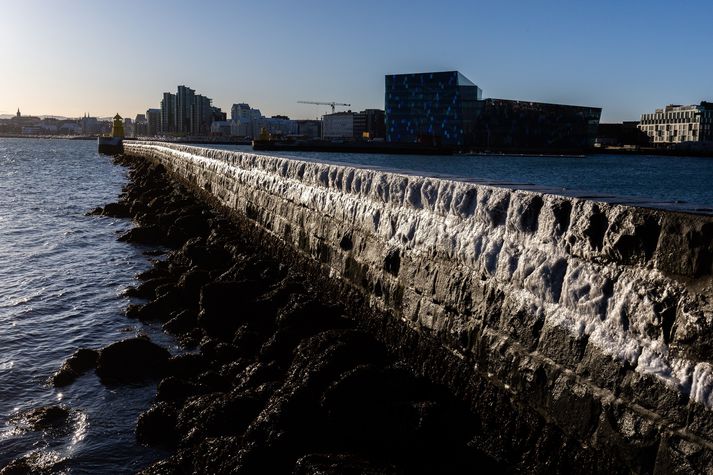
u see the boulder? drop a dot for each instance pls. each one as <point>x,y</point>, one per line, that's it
<point>133,359</point>
<point>81,361</point>
<point>157,426</point>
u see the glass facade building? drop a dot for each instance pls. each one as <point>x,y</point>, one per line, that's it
<point>430,108</point>
<point>502,124</point>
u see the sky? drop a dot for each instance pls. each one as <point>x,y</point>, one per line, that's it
<point>102,57</point>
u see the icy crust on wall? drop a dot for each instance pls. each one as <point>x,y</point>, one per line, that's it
<point>630,283</point>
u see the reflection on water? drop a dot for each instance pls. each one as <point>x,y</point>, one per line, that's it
<point>61,280</point>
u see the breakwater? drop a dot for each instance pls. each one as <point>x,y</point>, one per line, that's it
<point>580,326</point>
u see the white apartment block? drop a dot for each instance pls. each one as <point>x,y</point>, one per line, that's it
<point>677,124</point>
<point>338,125</point>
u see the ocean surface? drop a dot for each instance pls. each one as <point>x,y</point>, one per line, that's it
<point>62,275</point>
<point>61,280</point>
<point>684,183</point>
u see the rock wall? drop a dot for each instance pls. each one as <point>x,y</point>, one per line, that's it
<point>596,317</point>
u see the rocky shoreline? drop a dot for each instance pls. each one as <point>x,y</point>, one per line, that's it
<point>281,373</point>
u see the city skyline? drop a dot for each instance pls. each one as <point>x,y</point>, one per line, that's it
<point>272,55</point>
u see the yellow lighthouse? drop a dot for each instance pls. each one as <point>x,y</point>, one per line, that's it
<point>113,145</point>
<point>117,128</point>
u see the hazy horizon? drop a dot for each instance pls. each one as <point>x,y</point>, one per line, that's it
<point>628,59</point>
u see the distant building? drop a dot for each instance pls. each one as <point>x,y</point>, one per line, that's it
<point>218,115</point>
<point>141,124</point>
<point>243,118</point>
<point>309,128</point>
<point>129,127</point>
<point>90,125</point>
<point>221,128</point>
<point>153,122</point>
<point>676,124</point>
<point>70,128</point>
<point>277,126</point>
<point>338,125</point>
<point>184,101</point>
<point>433,108</point>
<point>370,124</point>
<point>201,115</point>
<point>621,135</point>
<point>446,108</point>
<point>32,130</point>
<point>522,126</point>
<point>168,113</point>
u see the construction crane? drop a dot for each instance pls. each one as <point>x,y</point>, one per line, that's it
<point>332,104</point>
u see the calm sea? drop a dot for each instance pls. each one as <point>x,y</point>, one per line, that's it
<point>61,278</point>
<point>62,275</point>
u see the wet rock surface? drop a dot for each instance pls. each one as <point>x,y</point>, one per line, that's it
<point>80,362</point>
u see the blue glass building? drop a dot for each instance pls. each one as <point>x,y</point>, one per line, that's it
<point>430,108</point>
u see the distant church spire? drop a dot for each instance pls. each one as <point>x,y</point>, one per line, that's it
<point>18,112</point>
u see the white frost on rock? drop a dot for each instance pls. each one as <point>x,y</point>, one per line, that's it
<point>551,264</point>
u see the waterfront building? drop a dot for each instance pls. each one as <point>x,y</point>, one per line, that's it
<point>128,127</point>
<point>221,128</point>
<point>201,115</point>
<point>153,122</point>
<point>434,108</point>
<point>168,113</point>
<point>276,126</point>
<point>309,128</point>
<point>339,125</point>
<point>446,108</point>
<point>522,126</point>
<point>242,112</point>
<point>90,125</point>
<point>621,135</point>
<point>676,124</point>
<point>243,118</point>
<point>218,114</point>
<point>370,124</point>
<point>70,128</point>
<point>141,124</point>
<point>184,102</point>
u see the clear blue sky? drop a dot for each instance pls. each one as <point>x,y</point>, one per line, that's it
<point>627,56</point>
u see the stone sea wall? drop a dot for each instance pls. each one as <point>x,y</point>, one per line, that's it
<point>596,317</point>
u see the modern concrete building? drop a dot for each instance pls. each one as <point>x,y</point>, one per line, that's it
<point>370,124</point>
<point>339,125</point>
<point>153,122</point>
<point>184,102</point>
<point>243,118</point>
<point>276,126</point>
<point>676,124</point>
<point>168,113</point>
<point>309,128</point>
<point>141,125</point>
<point>201,115</point>
<point>221,128</point>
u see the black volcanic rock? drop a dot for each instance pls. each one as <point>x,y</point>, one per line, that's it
<point>143,235</point>
<point>133,359</point>
<point>116,210</point>
<point>81,361</point>
<point>342,464</point>
<point>157,426</point>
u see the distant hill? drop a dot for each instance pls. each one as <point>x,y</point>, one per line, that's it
<point>60,117</point>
